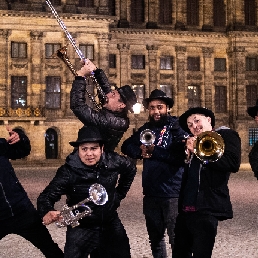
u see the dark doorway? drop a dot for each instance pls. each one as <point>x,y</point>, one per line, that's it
<point>51,144</point>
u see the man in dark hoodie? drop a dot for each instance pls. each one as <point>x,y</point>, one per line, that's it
<point>17,213</point>
<point>163,163</point>
<point>112,119</point>
<point>102,232</point>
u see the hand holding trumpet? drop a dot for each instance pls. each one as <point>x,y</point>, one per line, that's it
<point>87,68</point>
<point>147,150</point>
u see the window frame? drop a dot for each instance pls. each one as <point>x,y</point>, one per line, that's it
<point>166,62</point>
<point>18,91</point>
<point>87,52</point>
<point>52,94</point>
<point>54,48</point>
<point>220,99</point>
<point>136,63</point>
<point>19,50</point>
<point>194,101</point>
<point>193,63</point>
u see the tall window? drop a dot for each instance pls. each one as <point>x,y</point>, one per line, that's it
<point>18,91</point>
<point>53,92</point>
<point>18,50</point>
<point>251,64</point>
<point>166,63</point>
<point>253,136</point>
<point>250,12</point>
<point>51,49</point>
<point>137,11</point>
<point>112,7</point>
<point>86,3</point>
<point>220,64</point>
<point>193,63</point>
<point>193,12</point>
<point>167,89</point>
<point>88,51</point>
<point>165,11</point>
<point>112,61</point>
<point>138,62</point>
<point>251,95</point>
<point>219,14</point>
<point>139,91</point>
<point>220,99</point>
<point>194,96</point>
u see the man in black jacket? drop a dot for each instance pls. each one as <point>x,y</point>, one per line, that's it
<point>204,197</point>
<point>112,119</point>
<point>17,213</point>
<point>163,163</point>
<point>253,155</point>
<point>101,233</point>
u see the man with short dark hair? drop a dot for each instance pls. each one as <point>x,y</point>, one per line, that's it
<point>17,213</point>
<point>102,232</point>
<point>204,197</point>
<point>162,169</point>
<point>112,119</point>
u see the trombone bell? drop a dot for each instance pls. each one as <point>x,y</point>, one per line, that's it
<point>209,146</point>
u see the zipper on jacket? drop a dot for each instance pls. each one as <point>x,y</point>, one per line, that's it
<point>6,199</point>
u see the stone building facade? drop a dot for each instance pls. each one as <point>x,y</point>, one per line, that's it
<point>202,53</point>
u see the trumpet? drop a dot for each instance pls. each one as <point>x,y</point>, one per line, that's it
<point>209,147</point>
<point>147,137</point>
<point>70,216</point>
<point>61,53</point>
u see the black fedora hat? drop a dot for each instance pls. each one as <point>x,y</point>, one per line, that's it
<point>252,111</point>
<point>195,110</point>
<point>128,96</point>
<point>87,134</point>
<point>158,94</point>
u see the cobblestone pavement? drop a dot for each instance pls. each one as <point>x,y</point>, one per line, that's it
<point>236,238</point>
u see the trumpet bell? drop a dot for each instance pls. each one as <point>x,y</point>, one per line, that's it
<point>209,146</point>
<point>98,194</point>
<point>147,137</point>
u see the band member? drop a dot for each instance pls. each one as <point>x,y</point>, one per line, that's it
<point>162,169</point>
<point>204,197</point>
<point>17,213</point>
<point>101,233</point>
<point>112,119</point>
<point>253,155</point>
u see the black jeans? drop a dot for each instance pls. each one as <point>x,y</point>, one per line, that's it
<point>106,241</point>
<point>160,214</point>
<point>195,235</point>
<point>29,226</point>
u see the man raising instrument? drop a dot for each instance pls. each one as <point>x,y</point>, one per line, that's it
<point>204,196</point>
<point>112,119</point>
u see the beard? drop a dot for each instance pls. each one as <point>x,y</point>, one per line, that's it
<point>161,122</point>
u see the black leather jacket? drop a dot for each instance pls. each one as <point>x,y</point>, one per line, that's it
<point>74,178</point>
<point>112,125</point>
<point>13,198</point>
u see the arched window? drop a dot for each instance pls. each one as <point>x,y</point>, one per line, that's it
<point>51,146</point>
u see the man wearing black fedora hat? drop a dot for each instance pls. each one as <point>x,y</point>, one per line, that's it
<point>204,197</point>
<point>101,234</point>
<point>112,119</point>
<point>162,169</point>
<point>253,155</point>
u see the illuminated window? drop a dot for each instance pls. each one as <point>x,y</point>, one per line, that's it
<point>253,136</point>
<point>166,63</point>
<point>53,92</point>
<point>193,95</point>
<point>18,91</point>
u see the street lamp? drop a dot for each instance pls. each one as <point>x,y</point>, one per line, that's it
<point>136,111</point>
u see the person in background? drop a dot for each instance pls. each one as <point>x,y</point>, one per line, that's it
<point>253,155</point>
<point>100,234</point>
<point>112,119</point>
<point>17,213</point>
<point>204,197</point>
<point>163,162</point>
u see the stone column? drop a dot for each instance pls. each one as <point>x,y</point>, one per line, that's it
<point>124,73</point>
<point>4,89</point>
<point>103,7</point>
<point>207,15</point>
<point>103,40</point>
<point>123,19</point>
<point>208,78</point>
<point>181,98</point>
<point>152,14</point>
<point>35,90</point>
<point>152,55</point>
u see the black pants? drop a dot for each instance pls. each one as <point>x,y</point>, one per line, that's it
<point>29,226</point>
<point>195,235</point>
<point>160,214</point>
<point>106,241</point>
